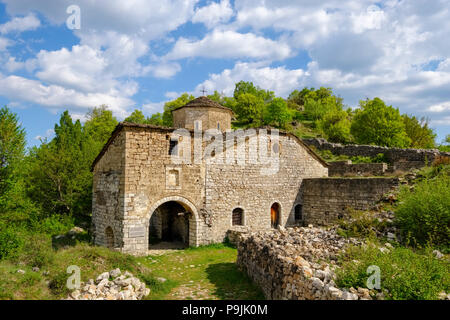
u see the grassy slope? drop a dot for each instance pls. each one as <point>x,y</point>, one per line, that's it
<point>214,275</point>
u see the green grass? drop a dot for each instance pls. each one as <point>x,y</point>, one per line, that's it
<point>214,275</point>
<point>406,274</point>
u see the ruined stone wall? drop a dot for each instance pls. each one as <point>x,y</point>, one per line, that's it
<point>327,200</point>
<point>409,158</point>
<point>230,186</point>
<point>295,264</point>
<point>343,168</point>
<point>108,190</point>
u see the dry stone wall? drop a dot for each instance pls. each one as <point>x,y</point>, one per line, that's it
<point>296,264</point>
<point>345,168</point>
<point>327,200</point>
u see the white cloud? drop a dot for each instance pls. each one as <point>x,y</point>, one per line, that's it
<point>280,80</point>
<point>4,43</point>
<point>440,107</point>
<point>20,24</point>
<point>164,70</point>
<point>230,44</point>
<point>56,97</point>
<point>214,14</point>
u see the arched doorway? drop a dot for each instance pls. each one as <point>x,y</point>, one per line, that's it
<point>174,220</point>
<point>275,215</point>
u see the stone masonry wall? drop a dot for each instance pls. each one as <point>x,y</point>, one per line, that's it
<point>408,158</point>
<point>343,168</point>
<point>327,200</point>
<point>108,189</point>
<point>210,117</point>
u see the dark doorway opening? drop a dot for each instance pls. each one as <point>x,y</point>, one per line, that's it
<point>169,223</point>
<point>275,215</point>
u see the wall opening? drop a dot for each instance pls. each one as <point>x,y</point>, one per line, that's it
<point>170,222</point>
<point>109,237</point>
<point>237,217</point>
<point>275,215</point>
<point>298,213</point>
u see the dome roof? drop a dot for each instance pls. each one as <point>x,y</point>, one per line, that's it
<point>204,102</point>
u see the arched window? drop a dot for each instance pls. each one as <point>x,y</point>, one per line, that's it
<point>109,234</point>
<point>275,215</point>
<point>298,211</point>
<point>238,217</point>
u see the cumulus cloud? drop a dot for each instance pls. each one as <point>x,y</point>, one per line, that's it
<point>213,14</point>
<point>20,24</point>
<point>4,43</point>
<point>230,44</point>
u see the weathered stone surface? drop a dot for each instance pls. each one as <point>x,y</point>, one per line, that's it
<point>289,264</point>
<point>121,287</point>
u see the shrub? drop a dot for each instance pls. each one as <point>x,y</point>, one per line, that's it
<point>361,224</point>
<point>37,250</point>
<point>405,274</point>
<point>423,214</point>
<point>53,225</point>
<point>10,242</point>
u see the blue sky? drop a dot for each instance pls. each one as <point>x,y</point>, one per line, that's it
<point>141,53</point>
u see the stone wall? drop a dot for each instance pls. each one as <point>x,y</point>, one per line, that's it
<point>408,158</point>
<point>327,200</point>
<point>343,168</point>
<point>296,264</point>
<point>211,118</point>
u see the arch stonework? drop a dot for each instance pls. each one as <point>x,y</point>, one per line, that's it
<point>193,230</point>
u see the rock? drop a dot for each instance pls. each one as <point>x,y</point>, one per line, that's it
<point>35,269</point>
<point>384,250</point>
<point>391,236</point>
<point>104,275</point>
<point>349,296</point>
<point>438,254</point>
<point>388,245</point>
<point>21,271</point>
<point>115,273</point>
<point>160,279</point>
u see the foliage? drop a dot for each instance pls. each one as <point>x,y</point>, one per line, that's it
<point>156,119</point>
<point>12,146</point>
<point>249,108</point>
<point>335,125</point>
<point>277,113</point>
<point>320,102</point>
<point>361,224</point>
<point>418,131</point>
<point>423,213</point>
<point>99,125</point>
<point>405,274</point>
<point>376,123</point>
<point>10,241</point>
<point>137,117</point>
<point>243,87</point>
<point>167,117</point>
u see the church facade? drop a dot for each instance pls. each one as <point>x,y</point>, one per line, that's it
<point>194,182</point>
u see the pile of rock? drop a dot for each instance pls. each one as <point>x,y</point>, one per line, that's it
<point>296,263</point>
<point>111,285</point>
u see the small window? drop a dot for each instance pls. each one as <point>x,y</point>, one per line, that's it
<point>298,212</point>
<point>238,215</point>
<point>173,147</point>
<point>218,126</point>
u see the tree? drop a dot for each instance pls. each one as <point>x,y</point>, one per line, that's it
<point>447,139</point>
<point>335,125</point>
<point>12,146</point>
<point>277,113</point>
<point>100,124</point>
<point>422,136</point>
<point>376,123</point>
<point>249,108</point>
<point>156,119</point>
<point>243,87</point>
<point>172,105</point>
<point>319,102</point>
<point>137,117</point>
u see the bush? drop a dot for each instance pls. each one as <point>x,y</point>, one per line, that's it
<point>10,242</point>
<point>53,225</point>
<point>405,274</point>
<point>423,214</point>
<point>361,224</point>
<point>37,251</point>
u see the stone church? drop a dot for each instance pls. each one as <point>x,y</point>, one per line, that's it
<point>141,195</point>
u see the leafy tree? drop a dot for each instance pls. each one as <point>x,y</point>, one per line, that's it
<point>156,119</point>
<point>319,102</point>
<point>249,108</point>
<point>12,146</point>
<point>172,105</point>
<point>447,139</point>
<point>100,124</point>
<point>243,87</point>
<point>137,117</point>
<point>335,125</point>
<point>59,177</point>
<point>297,98</point>
<point>376,123</point>
<point>277,113</point>
<point>422,136</point>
